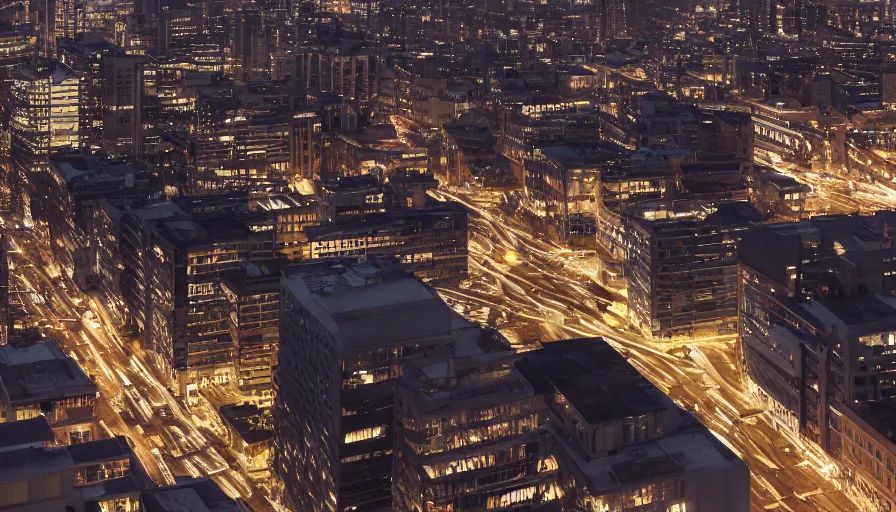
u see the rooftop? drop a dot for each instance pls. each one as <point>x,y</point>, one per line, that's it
<point>26,463</point>
<point>251,423</point>
<point>357,300</point>
<point>564,155</point>
<point>865,313</point>
<point>113,448</point>
<point>24,432</point>
<point>694,451</point>
<point>41,372</point>
<point>596,379</point>
<point>200,495</point>
<point>880,414</point>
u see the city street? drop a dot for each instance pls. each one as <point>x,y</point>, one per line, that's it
<point>170,440</point>
<point>533,281</point>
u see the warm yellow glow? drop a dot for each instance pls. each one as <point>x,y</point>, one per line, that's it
<point>511,258</point>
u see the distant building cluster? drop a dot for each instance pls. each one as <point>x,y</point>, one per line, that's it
<point>256,208</point>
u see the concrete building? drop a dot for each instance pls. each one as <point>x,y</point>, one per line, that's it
<point>36,474</point>
<point>779,196</point>
<point>863,441</point>
<point>40,380</point>
<point>561,185</point>
<point>566,427</point>
<point>250,433</point>
<point>345,331</point>
<point>613,437</point>
<point>122,105</point>
<point>304,145</point>
<point>681,265</point>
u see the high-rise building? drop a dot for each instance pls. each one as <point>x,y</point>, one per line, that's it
<point>817,319</point>
<point>44,113</point>
<point>254,295</point>
<point>681,265</point>
<point>5,319</point>
<point>172,255</point>
<point>304,145</point>
<point>344,332</point>
<point>468,434</point>
<point>122,92</point>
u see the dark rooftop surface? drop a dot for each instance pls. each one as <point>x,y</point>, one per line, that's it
<point>34,430</point>
<point>637,470</point>
<point>100,450</point>
<point>598,381</point>
<point>731,166</point>
<point>201,495</point>
<point>880,414</point>
<point>41,372</point>
<point>252,280</point>
<point>18,465</point>
<point>862,309</point>
<point>249,422</point>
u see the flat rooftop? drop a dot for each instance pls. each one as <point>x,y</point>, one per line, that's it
<point>880,414</point>
<point>24,432</point>
<point>359,299</point>
<point>866,313</point>
<point>26,463</point>
<point>41,372</point>
<point>693,451</point>
<point>102,450</point>
<point>201,495</point>
<point>593,377</point>
<point>564,155</point>
<point>251,423</point>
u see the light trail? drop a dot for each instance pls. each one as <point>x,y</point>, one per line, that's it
<point>540,287</point>
<point>120,372</point>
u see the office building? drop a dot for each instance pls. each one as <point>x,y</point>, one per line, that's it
<point>74,186</point>
<point>561,185</point>
<point>172,255</point>
<point>351,198</point>
<point>40,380</point>
<point>681,265</point>
<point>430,241</point>
<point>44,113</point>
<point>817,319</point>
<point>38,474</point>
<point>613,437</point>
<point>570,426</point>
<point>254,296</point>
<point>122,105</point>
<point>304,145</point>
<point>467,434</point>
<point>638,177</point>
<point>345,331</point>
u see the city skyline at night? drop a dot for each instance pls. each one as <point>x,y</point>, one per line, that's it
<point>452,256</point>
